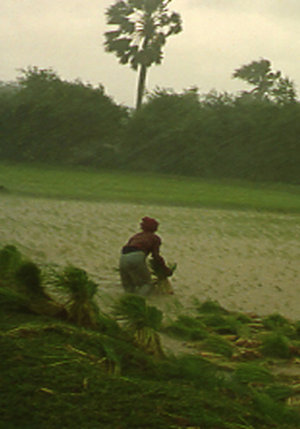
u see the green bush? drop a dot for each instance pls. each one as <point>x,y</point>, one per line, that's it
<point>47,119</point>
<point>214,135</point>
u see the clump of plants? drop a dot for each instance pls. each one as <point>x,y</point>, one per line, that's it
<point>22,287</point>
<point>297,329</point>
<point>249,373</point>
<point>276,411</point>
<point>195,369</point>
<point>279,392</point>
<point>188,328</point>
<point>275,345</point>
<point>221,321</point>
<point>10,261</point>
<point>209,307</point>
<point>277,323</point>
<point>142,321</point>
<point>20,273</point>
<point>28,277</point>
<point>13,300</point>
<point>81,308</point>
<point>219,345</point>
<point>225,324</point>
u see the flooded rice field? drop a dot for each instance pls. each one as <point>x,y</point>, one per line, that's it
<point>246,260</point>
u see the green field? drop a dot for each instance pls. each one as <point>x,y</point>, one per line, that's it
<point>92,185</point>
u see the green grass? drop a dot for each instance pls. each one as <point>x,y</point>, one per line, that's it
<point>92,185</point>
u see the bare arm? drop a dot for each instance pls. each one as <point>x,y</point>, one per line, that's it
<point>159,259</point>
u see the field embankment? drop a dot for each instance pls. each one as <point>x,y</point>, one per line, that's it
<point>93,185</point>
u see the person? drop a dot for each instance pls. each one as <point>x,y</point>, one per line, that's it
<point>134,273</point>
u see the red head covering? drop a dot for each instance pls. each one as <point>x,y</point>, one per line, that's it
<point>149,224</point>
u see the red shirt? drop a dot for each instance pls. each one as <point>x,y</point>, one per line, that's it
<point>146,241</point>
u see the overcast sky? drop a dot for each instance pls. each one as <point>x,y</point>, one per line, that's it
<point>218,36</point>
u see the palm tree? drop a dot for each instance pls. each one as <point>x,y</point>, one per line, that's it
<point>143,27</point>
<point>268,85</point>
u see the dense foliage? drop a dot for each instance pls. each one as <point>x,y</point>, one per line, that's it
<point>45,119</point>
<point>216,135</point>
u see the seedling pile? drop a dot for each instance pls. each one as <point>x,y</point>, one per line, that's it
<point>81,366</point>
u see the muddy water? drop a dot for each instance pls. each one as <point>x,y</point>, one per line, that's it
<point>247,261</point>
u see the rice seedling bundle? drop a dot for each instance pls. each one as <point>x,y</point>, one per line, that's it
<point>253,373</point>
<point>162,284</point>
<point>142,320</point>
<point>10,260</point>
<point>81,308</point>
<point>275,345</point>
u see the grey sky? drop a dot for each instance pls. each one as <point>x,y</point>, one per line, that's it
<point>218,37</point>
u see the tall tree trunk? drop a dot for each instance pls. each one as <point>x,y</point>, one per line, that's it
<point>141,86</point>
<point>142,78</point>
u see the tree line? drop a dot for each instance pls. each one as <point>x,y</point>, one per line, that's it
<point>253,135</point>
